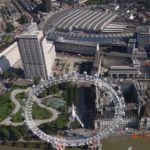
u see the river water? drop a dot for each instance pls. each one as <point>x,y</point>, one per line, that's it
<point>124,142</point>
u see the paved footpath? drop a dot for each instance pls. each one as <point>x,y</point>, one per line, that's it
<point>7,121</point>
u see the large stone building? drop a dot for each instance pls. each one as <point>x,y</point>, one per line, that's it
<point>101,124</point>
<point>133,101</point>
<point>37,54</point>
<point>123,72</point>
<point>143,36</point>
<point>87,48</point>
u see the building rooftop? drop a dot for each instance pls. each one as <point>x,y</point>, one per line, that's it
<point>32,34</point>
<point>122,68</point>
<point>8,49</point>
<point>77,42</point>
<point>144,29</point>
<point>31,30</point>
<point>132,41</point>
<point>119,43</point>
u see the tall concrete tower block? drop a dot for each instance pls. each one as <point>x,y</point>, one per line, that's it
<point>37,55</point>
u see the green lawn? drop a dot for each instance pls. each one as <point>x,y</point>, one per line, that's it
<point>37,112</point>
<point>20,96</point>
<point>6,106</point>
<point>52,127</point>
<point>40,113</point>
<point>17,117</point>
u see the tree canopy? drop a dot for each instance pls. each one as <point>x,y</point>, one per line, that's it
<point>10,27</point>
<point>23,19</point>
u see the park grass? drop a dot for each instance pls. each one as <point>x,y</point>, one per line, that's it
<point>17,117</point>
<point>37,113</point>
<point>40,113</point>
<point>6,106</point>
<point>20,96</point>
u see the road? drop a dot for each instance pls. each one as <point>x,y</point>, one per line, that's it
<point>7,121</point>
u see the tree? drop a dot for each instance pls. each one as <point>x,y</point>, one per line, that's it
<point>12,76</point>
<point>4,75</point>
<point>15,134</point>
<point>36,81</point>
<point>23,130</point>
<point>50,90</point>
<point>43,94</point>
<point>6,38</point>
<point>55,89</point>
<point>9,27</point>
<point>4,133</point>
<point>69,95</point>
<point>75,124</point>
<point>23,19</point>
<point>76,96</point>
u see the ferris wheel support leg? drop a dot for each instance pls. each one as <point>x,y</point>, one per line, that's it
<point>58,147</point>
<point>92,148</point>
<point>95,146</point>
<point>99,146</point>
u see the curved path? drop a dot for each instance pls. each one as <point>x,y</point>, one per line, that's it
<point>7,121</point>
<point>54,112</point>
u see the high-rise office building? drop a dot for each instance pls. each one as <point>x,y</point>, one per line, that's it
<point>47,5</point>
<point>143,36</point>
<point>37,54</point>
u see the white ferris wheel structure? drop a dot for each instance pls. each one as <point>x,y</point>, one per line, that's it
<point>60,143</point>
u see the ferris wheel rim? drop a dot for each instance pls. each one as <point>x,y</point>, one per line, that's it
<point>119,109</point>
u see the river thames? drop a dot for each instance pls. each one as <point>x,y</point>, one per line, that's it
<point>124,142</point>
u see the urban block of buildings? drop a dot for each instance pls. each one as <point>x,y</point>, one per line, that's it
<point>115,46</point>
